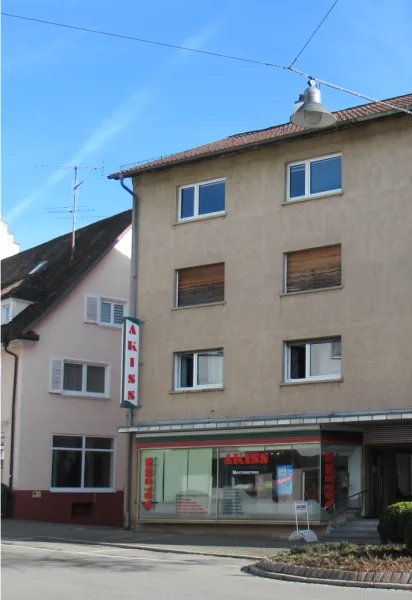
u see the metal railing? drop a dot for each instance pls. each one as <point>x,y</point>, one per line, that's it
<point>338,513</point>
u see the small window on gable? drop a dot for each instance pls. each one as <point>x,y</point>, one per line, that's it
<point>315,177</point>
<point>313,269</point>
<point>104,311</point>
<point>200,285</point>
<point>200,199</point>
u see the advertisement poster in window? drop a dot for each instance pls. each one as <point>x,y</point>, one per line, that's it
<point>284,480</point>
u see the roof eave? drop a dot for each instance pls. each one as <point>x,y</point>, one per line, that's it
<point>270,142</point>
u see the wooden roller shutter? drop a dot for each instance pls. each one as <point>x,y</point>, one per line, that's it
<point>201,285</point>
<point>314,269</point>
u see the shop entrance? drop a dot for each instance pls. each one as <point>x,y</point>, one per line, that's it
<point>390,476</point>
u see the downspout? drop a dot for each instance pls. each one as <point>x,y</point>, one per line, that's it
<point>13,417</point>
<point>133,313</point>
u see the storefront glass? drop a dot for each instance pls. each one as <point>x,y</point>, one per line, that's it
<point>178,483</point>
<point>341,478</point>
<point>250,483</point>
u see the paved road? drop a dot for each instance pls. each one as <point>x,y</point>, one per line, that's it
<point>50,571</point>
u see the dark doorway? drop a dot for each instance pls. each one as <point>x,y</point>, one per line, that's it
<point>376,489</point>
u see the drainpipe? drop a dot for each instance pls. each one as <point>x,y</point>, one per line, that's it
<point>133,313</point>
<point>13,417</point>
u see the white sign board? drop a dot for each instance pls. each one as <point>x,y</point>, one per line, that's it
<point>130,363</point>
<point>306,535</point>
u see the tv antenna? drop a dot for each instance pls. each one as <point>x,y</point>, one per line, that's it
<point>75,208</point>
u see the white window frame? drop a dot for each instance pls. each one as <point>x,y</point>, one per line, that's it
<point>85,363</point>
<point>99,300</point>
<point>308,376</point>
<point>334,355</point>
<point>8,305</point>
<point>83,450</point>
<point>112,301</point>
<point>212,386</point>
<point>307,164</point>
<point>196,187</point>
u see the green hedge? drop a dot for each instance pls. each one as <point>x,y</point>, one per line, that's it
<point>392,524</point>
<point>408,534</point>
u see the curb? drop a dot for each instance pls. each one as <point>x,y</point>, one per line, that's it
<point>255,570</point>
<point>128,546</point>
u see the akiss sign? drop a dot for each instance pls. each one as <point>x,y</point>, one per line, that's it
<point>130,363</point>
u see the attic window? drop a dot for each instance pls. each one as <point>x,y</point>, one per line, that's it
<point>38,267</point>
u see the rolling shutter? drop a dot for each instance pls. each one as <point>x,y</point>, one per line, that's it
<point>201,285</point>
<point>91,309</point>
<point>56,375</point>
<point>314,269</point>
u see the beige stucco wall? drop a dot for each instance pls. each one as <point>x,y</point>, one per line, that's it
<point>63,333</point>
<point>372,220</point>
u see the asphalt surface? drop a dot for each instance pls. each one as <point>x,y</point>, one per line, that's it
<point>50,570</point>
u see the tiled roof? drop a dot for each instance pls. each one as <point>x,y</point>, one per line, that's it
<point>237,142</point>
<point>59,274</point>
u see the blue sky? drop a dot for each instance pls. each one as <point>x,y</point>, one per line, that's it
<point>71,97</point>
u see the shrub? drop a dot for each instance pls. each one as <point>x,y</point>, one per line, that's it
<point>389,524</point>
<point>408,534</point>
<point>403,519</point>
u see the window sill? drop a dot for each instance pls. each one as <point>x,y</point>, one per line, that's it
<point>314,197</point>
<point>83,490</point>
<point>111,325</point>
<point>83,396</point>
<point>200,305</point>
<point>197,390</point>
<point>324,289</point>
<point>309,381</point>
<point>201,218</point>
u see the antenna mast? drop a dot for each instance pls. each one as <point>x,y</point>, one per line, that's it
<point>76,187</point>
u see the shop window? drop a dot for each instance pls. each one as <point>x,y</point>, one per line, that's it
<point>254,482</point>
<point>178,483</point>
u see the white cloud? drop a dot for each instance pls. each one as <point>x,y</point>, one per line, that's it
<point>120,118</point>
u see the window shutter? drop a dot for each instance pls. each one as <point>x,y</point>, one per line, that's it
<point>56,375</point>
<point>91,309</point>
<point>201,285</point>
<point>118,313</point>
<point>314,269</point>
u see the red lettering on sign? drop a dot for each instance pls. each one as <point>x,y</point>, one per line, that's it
<point>131,378</point>
<point>131,346</point>
<point>132,362</point>
<point>132,330</point>
<point>329,480</point>
<point>149,483</point>
<point>249,458</point>
<point>131,395</point>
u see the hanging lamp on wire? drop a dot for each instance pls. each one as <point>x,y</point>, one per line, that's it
<point>309,110</point>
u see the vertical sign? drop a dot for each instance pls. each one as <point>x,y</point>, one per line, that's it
<point>130,363</point>
<point>284,480</point>
<point>329,480</point>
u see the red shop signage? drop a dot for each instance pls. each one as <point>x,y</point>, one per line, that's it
<point>148,483</point>
<point>248,458</point>
<point>329,480</point>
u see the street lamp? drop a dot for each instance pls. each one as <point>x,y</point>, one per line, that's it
<point>309,110</point>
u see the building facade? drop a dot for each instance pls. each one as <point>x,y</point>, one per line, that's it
<point>275,293</point>
<point>61,340</point>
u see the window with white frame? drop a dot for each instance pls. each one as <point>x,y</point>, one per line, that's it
<point>74,377</point>
<point>82,462</point>
<point>313,360</point>
<point>200,199</point>
<point>314,177</point>
<point>104,311</point>
<point>199,370</point>
<point>6,313</point>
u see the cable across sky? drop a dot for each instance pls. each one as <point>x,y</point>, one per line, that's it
<point>290,67</point>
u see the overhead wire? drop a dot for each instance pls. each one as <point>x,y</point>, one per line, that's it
<point>313,34</point>
<point>219,55</point>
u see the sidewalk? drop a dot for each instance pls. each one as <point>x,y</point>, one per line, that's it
<point>205,544</point>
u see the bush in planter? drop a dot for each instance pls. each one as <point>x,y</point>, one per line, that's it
<point>404,517</point>
<point>389,523</point>
<point>408,534</point>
